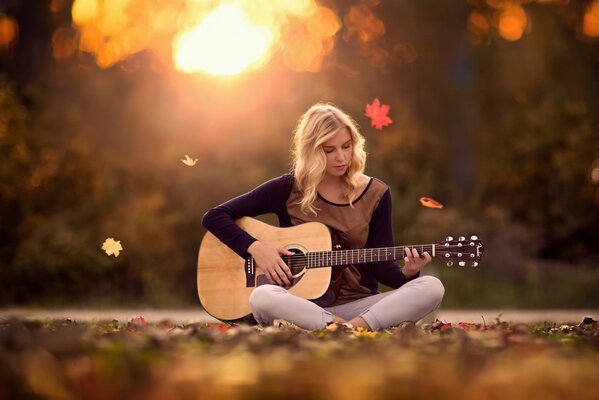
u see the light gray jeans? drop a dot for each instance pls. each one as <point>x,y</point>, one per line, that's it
<point>411,302</point>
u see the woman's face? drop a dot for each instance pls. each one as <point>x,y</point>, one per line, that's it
<point>338,151</point>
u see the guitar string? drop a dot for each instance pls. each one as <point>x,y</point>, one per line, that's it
<point>320,259</point>
<point>323,258</point>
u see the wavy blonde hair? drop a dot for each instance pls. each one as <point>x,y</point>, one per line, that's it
<point>319,124</point>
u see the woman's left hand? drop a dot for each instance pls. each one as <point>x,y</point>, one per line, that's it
<point>414,262</point>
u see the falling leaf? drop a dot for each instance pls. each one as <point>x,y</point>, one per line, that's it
<point>430,203</point>
<point>189,161</point>
<point>378,114</point>
<point>110,246</point>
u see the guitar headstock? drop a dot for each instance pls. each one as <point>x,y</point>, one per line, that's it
<point>461,250</point>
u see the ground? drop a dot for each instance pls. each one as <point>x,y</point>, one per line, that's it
<point>139,359</point>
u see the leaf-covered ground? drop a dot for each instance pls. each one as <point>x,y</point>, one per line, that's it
<point>137,360</point>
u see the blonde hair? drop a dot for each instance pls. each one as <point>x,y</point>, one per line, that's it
<point>319,124</point>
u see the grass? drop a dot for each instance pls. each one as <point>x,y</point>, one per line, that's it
<point>134,360</point>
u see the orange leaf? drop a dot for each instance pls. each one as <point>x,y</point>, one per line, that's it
<point>378,114</point>
<point>430,203</point>
<point>111,246</point>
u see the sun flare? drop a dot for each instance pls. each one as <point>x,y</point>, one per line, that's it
<point>224,43</point>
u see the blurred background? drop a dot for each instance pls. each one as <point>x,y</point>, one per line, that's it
<point>494,107</point>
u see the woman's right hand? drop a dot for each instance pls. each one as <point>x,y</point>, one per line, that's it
<point>268,260</point>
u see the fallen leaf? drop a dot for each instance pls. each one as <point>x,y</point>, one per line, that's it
<point>430,203</point>
<point>137,322</point>
<point>110,246</point>
<point>378,114</point>
<point>189,161</point>
<point>363,332</point>
<point>218,327</point>
<point>332,327</point>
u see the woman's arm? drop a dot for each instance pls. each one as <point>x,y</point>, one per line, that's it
<point>269,197</point>
<point>381,235</point>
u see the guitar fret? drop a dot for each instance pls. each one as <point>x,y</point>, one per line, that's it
<point>358,256</point>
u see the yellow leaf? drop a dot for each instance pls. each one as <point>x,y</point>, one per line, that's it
<point>189,161</point>
<point>110,246</point>
<point>360,331</point>
<point>332,327</point>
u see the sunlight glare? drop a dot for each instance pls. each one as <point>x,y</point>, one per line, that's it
<point>224,43</point>
<point>84,11</point>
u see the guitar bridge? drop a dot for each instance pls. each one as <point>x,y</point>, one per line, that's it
<point>250,272</point>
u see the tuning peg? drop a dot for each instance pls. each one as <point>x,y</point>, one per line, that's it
<point>449,238</point>
<point>461,239</point>
<point>450,263</point>
<point>462,263</point>
<point>474,264</point>
<point>473,237</point>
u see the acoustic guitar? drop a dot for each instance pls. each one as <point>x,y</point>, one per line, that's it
<point>225,280</point>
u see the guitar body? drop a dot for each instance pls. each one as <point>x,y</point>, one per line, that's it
<point>221,279</point>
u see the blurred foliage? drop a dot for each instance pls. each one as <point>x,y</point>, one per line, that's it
<point>503,132</point>
<point>136,359</point>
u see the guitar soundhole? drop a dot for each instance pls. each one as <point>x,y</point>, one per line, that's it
<point>296,265</point>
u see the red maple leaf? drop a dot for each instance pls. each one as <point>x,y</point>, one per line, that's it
<point>378,114</point>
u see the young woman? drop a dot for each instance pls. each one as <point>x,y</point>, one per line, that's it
<point>328,185</point>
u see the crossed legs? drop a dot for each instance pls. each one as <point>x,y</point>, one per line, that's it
<point>411,302</point>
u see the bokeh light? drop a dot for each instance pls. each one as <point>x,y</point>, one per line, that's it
<point>220,38</point>
<point>362,25</point>
<point>512,22</point>
<point>8,31</point>
<point>590,24</point>
<point>63,43</point>
<point>478,23</point>
<point>595,172</point>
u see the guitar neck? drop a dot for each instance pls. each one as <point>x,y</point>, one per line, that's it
<point>360,256</point>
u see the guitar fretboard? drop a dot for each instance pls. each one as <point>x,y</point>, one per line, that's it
<point>320,259</point>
